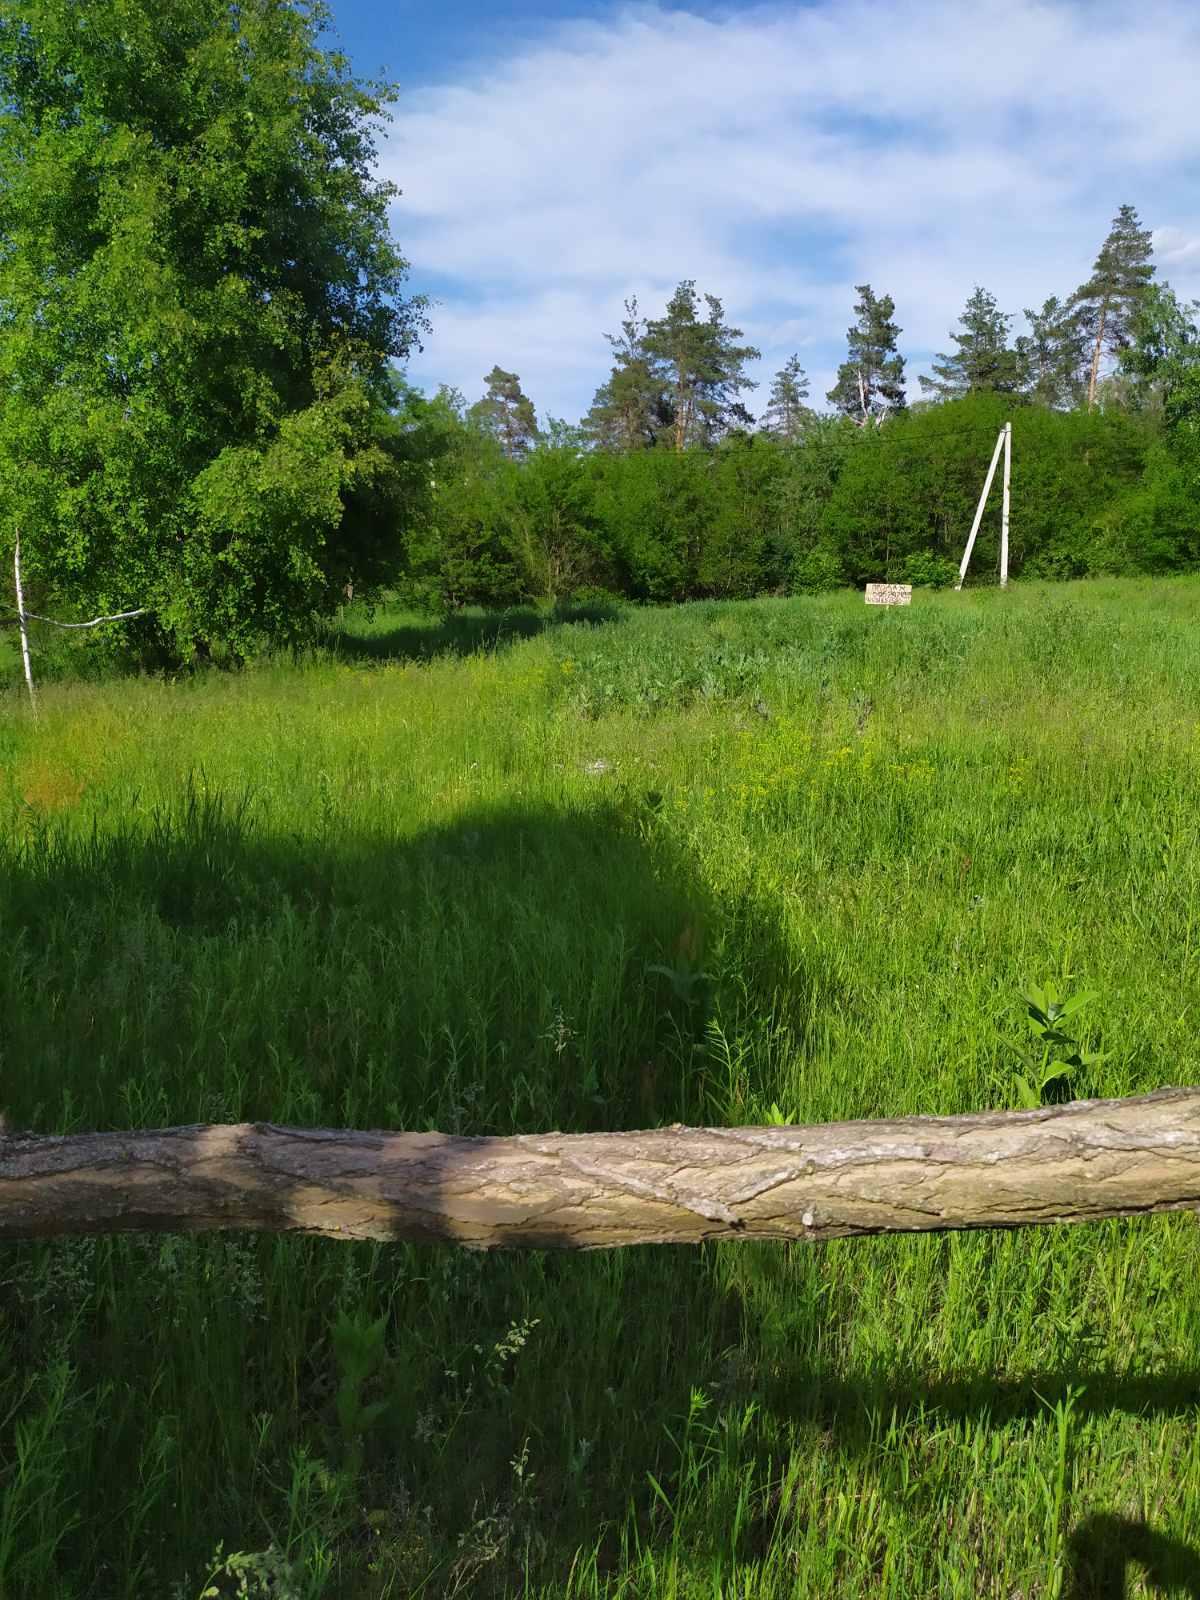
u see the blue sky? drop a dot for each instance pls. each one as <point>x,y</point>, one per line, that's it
<point>556,159</point>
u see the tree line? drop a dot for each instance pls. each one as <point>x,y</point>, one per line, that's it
<point>669,489</point>
<point>203,315</point>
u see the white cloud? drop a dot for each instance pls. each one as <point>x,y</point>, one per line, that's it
<point>1178,252</point>
<point>780,156</point>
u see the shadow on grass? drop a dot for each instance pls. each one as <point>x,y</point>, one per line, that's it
<point>1105,1550</point>
<point>465,633</point>
<point>490,976</point>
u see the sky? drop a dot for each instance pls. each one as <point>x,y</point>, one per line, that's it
<point>558,158</point>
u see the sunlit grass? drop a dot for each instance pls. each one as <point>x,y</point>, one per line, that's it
<point>424,879</point>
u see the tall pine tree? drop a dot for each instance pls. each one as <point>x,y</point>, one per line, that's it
<point>786,411</point>
<point>984,362</point>
<point>871,380</point>
<point>704,364</point>
<point>1053,355</point>
<point>1107,303</point>
<point>631,411</point>
<point>507,412</point>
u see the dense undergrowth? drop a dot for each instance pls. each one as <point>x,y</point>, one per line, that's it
<point>429,877</point>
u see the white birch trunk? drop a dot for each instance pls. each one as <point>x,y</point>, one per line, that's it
<point>23,624</point>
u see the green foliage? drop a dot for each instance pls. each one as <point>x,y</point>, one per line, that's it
<point>462,550</point>
<point>911,488</point>
<point>984,362</point>
<point>199,303</point>
<point>563,550</point>
<point>759,514</point>
<point>633,409</point>
<point>1053,354</point>
<point>926,571</point>
<point>506,412</point>
<point>870,382</point>
<point>418,883</point>
<point>359,1348</point>
<point>786,413</point>
<point>703,366</point>
<point>1051,1068</point>
<point>1106,306</point>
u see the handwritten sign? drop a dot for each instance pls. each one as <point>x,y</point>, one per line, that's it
<point>889,594</point>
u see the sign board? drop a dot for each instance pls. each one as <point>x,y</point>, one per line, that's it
<point>889,594</point>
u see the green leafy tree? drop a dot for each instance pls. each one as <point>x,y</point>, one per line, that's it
<point>984,361</point>
<point>1156,527</point>
<point>786,414</point>
<point>704,364</point>
<point>463,551</point>
<point>507,413</point>
<point>552,517</point>
<point>913,486</point>
<point>741,554</point>
<point>199,302</point>
<point>1107,303</point>
<point>870,381</point>
<point>1163,352</point>
<point>808,560</point>
<point>631,411</point>
<point>654,510</point>
<point>1053,355</point>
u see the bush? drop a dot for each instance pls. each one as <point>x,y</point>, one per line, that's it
<point>926,571</point>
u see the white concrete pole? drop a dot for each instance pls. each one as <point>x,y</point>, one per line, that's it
<point>962,571</point>
<point>1004,513</point>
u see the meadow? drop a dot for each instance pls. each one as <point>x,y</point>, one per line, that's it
<point>721,863</point>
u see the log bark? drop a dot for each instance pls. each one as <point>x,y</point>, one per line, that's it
<point>1073,1163</point>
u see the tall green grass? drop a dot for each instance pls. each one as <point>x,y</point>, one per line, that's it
<point>718,864</point>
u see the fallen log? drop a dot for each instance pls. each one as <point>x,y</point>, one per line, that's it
<point>676,1185</point>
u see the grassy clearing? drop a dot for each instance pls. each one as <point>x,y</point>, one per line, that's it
<point>420,881</point>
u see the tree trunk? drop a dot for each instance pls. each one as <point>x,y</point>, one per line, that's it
<point>1096,359</point>
<point>1074,1163</point>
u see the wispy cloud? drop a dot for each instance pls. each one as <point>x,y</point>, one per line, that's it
<point>782,155</point>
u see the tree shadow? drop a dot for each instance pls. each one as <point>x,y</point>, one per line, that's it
<point>1105,1549</point>
<point>487,977</point>
<point>466,633</point>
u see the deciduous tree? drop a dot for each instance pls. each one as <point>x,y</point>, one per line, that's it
<point>199,302</point>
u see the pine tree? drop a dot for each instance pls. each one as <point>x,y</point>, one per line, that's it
<point>1107,303</point>
<point>786,412</point>
<point>984,361</point>
<point>1053,354</point>
<point>871,380</point>
<point>507,412</point>
<point>704,365</point>
<point>631,411</point>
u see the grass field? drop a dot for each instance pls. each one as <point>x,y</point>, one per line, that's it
<point>423,880</point>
